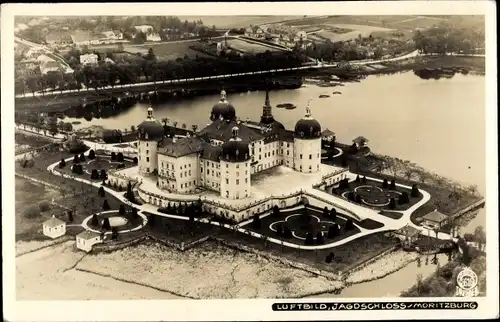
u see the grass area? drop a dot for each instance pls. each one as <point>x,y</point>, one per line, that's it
<point>27,142</point>
<point>29,194</point>
<point>168,50</point>
<point>347,256</point>
<point>248,47</point>
<point>301,222</point>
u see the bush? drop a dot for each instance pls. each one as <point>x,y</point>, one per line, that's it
<point>309,239</point>
<point>319,238</point>
<point>103,175</point>
<point>77,169</point>
<point>404,198</point>
<point>112,136</point>
<point>385,184</point>
<point>119,157</point>
<point>62,163</point>
<point>333,231</point>
<point>114,234</point>
<point>256,222</point>
<point>82,157</point>
<point>94,175</point>
<point>279,231</point>
<point>91,154</point>
<point>349,225</point>
<point>333,214</point>
<point>113,156</point>
<point>76,159</point>
<point>358,199</point>
<point>415,193</point>
<point>44,205</point>
<point>392,203</point>
<point>32,212</point>
<point>364,179</point>
<point>276,210</point>
<point>393,185</point>
<point>105,205</point>
<point>287,233</point>
<point>70,216</point>
<point>94,221</point>
<point>121,210</point>
<point>329,258</point>
<point>135,215</point>
<point>101,193</point>
<point>105,224</point>
<point>351,196</point>
<point>136,160</point>
<point>357,178</point>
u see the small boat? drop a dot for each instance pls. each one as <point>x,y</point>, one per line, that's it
<point>286,105</point>
<point>336,93</point>
<point>324,96</point>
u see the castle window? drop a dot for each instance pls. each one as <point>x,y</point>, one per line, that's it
<point>147,151</point>
<point>147,159</point>
<point>301,156</point>
<point>287,152</point>
<point>310,156</point>
<point>310,167</point>
<point>189,172</point>
<point>300,168</point>
<point>208,171</point>
<point>147,144</point>
<point>182,185</point>
<point>237,166</point>
<point>318,155</point>
<point>227,165</point>
<point>147,170</point>
<point>227,181</point>
<point>237,174</point>
<point>246,180</point>
<point>237,181</point>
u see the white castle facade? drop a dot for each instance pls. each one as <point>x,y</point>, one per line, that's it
<point>225,155</point>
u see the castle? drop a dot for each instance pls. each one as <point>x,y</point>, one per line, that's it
<point>224,155</point>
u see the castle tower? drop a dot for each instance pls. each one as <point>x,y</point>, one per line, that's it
<point>267,115</point>
<point>235,168</point>
<point>149,135</point>
<point>307,144</point>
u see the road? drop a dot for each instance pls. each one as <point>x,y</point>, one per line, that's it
<point>47,51</point>
<point>319,65</point>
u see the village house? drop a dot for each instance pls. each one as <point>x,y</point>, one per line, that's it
<point>112,35</point>
<point>54,228</point>
<point>58,38</point>
<point>155,37</point>
<point>84,38</point>
<point>89,59</point>
<point>86,240</point>
<point>144,28</point>
<point>407,234</point>
<point>47,64</point>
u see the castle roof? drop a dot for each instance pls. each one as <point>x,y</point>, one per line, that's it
<point>180,147</point>
<point>53,222</point>
<point>222,130</point>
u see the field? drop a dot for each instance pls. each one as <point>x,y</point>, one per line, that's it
<point>167,50</point>
<point>233,274</point>
<point>248,47</point>
<point>237,21</point>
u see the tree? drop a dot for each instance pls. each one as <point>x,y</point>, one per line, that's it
<point>135,160</point>
<point>333,231</point>
<point>94,175</point>
<point>119,157</point>
<point>404,198</point>
<point>287,233</point>
<point>415,193</point>
<point>70,216</point>
<point>333,214</point>
<point>357,178</point>
<point>105,224</point>
<point>121,209</point>
<point>392,203</point>
<point>113,156</point>
<point>276,211</point>
<point>279,230</point>
<point>309,239</point>
<point>105,205</point>
<point>82,157</point>
<point>62,163</point>
<point>392,186</point>
<point>76,159</point>
<point>114,233</point>
<point>102,174</point>
<point>100,192</point>
<point>91,154</point>
<point>480,236</point>
<point>135,215</point>
<point>349,225</point>
<point>256,222</point>
<point>325,212</point>
<point>94,221</point>
<point>385,184</point>
<point>319,238</point>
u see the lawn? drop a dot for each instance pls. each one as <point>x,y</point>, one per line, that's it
<point>374,196</point>
<point>28,194</point>
<point>26,142</point>
<point>167,50</point>
<point>301,222</point>
<point>248,47</point>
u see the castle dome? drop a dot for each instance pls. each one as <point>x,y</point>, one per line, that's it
<point>150,129</point>
<point>307,127</point>
<point>235,150</point>
<point>223,109</point>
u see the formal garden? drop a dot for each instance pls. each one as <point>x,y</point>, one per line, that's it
<point>385,195</point>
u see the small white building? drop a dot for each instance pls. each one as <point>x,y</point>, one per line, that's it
<point>54,228</point>
<point>144,28</point>
<point>86,240</point>
<point>88,59</point>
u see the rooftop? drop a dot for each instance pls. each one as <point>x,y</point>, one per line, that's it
<point>87,235</point>
<point>408,231</point>
<point>53,222</point>
<point>435,216</point>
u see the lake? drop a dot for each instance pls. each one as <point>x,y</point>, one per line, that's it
<point>438,124</point>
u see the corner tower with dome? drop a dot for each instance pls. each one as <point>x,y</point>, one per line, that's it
<point>150,135</point>
<point>307,144</point>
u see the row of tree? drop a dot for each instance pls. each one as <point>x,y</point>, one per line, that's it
<point>109,74</point>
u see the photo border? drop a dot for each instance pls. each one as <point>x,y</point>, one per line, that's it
<point>243,310</point>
